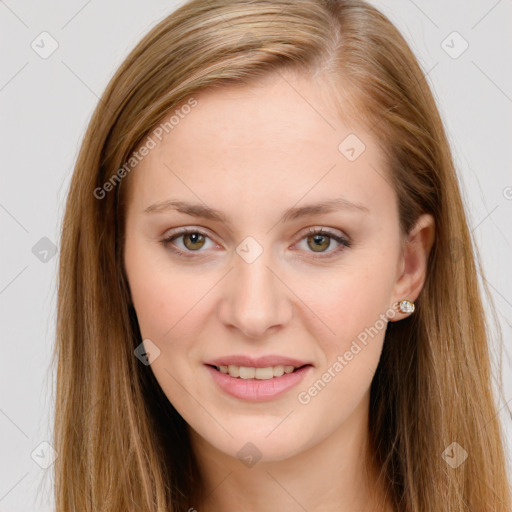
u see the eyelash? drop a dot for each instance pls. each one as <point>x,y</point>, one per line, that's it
<point>344,242</point>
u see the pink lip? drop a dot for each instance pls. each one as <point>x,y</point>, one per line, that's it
<point>255,390</point>
<point>259,362</point>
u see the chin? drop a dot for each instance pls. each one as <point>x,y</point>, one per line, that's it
<point>264,444</point>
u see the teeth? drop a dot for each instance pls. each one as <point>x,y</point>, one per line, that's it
<point>245,372</point>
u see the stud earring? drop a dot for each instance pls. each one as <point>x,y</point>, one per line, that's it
<point>406,306</point>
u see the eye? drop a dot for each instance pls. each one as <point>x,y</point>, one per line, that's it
<point>319,240</point>
<point>193,241</point>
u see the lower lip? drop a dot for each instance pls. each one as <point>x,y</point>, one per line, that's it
<point>256,390</point>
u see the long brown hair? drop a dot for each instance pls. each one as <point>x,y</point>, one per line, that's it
<point>121,444</point>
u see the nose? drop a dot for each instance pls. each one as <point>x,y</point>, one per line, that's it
<point>255,300</point>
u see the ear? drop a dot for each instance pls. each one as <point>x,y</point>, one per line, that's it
<point>412,269</point>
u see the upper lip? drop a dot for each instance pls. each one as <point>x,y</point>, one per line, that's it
<point>258,362</point>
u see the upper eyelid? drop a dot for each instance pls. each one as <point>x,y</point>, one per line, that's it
<point>185,231</point>
<point>203,231</point>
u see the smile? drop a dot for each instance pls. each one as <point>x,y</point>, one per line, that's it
<point>248,372</point>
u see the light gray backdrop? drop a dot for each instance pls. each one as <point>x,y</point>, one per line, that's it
<point>57,57</point>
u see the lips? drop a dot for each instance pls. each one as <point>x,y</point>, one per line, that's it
<point>259,362</point>
<point>260,387</point>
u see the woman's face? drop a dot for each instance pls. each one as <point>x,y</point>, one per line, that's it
<point>266,278</point>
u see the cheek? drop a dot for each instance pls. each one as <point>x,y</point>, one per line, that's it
<point>349,357</point>
<point>165,299</point>
<point>347,300</point>
<point>352,304</point>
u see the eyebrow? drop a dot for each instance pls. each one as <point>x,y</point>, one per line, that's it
<point>206,212</point>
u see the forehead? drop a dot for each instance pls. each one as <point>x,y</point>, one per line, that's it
<point>272,142</point>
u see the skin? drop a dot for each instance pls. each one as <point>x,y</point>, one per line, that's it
<point>252,152</point>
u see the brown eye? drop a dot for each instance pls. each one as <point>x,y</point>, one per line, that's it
<point>323,243</point>
<point>318,243</point>
<point>187,241</point>
<point>193,241</point>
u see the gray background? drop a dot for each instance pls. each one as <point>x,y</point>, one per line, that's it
<point>46,103</point>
